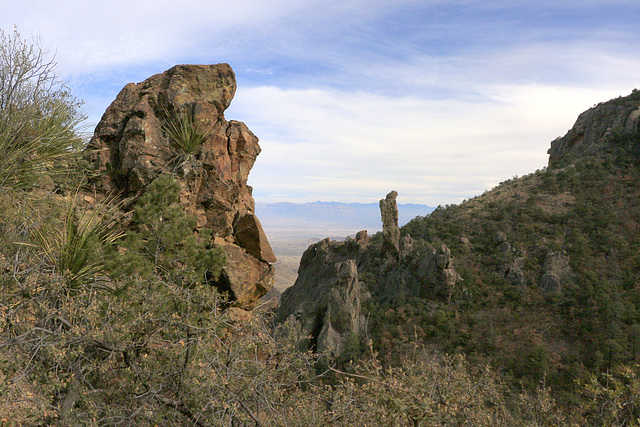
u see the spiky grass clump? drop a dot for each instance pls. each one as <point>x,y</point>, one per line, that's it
<point>72,249</point>
<point>185,132</point>
<point>33,150</point>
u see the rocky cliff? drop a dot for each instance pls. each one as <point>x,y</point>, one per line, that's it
<point>173,123</point>
<point>594,129</point>
<point>528,239</point>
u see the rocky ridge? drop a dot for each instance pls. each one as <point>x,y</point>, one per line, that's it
<point>594,128</point>
<point>335,277</point>
<point>133,145</point>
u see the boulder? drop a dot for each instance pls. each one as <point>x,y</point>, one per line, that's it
<point>250,235</point>
<point>245,278</point>
<point>514,272</point>
<point>556,272</point>
<point>501,242</point>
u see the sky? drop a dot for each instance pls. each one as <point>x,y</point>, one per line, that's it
<point>438,100</point>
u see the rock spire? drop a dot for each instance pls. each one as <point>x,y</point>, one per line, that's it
<point>134,144</point>
<point>390,229</point>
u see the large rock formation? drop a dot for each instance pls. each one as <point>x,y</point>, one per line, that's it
<point>134,143</point>
<point>343,318</point>
<point>594,129</point>
<point>324,302</point>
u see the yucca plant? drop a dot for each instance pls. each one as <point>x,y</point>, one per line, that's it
<point>185,132</point>
<point>73,249</point>
<point>33,150</point>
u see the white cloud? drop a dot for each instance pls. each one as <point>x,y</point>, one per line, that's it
<point>320,144</point>
<point>93,34</point>
<point>353,98</point>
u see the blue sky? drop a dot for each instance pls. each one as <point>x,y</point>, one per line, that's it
<point>439,100</point>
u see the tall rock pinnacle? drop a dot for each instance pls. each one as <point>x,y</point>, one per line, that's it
<point>133,144</point>
<point>390,229</point>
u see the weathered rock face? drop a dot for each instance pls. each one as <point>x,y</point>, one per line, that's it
<point>325,300</point>
<point>557,272</point>
<point>390,229</point>
<point>343,317</point>
<point>591,132</point>
<point>245,278</point>
<point>133,145</point>
<point>424,273</point>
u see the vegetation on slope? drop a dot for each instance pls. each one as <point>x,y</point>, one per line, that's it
<point>566,328</point>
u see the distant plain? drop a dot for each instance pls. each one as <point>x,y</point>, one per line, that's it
<point>292,227</point>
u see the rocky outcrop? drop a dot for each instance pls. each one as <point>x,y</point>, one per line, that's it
<point>501,242</point>
<point>245,278</point>
<point>427,274</point>
<point>249,234</point>
<point>592,132</point>
<point>324,302</point>
<point>557,272</point>
<point>334,277</point>
<point>136,141</point>
<point>343,317</point>
<point>390,229</point>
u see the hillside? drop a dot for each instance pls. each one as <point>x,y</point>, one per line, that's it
<point>540,276</point>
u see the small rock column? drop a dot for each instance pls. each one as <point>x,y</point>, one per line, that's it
<point>390,229</point>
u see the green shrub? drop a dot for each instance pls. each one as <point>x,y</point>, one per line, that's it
<point>164,241</point>
<point>74,247</point>
<point>38,115</point>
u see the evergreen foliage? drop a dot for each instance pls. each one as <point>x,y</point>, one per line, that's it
<point>164,243</point>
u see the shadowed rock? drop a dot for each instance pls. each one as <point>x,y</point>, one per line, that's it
<point>343,316</point>
<point>250,235</point>
<point>324,303</point>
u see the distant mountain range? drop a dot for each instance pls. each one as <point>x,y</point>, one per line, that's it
<point>318,216</point>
